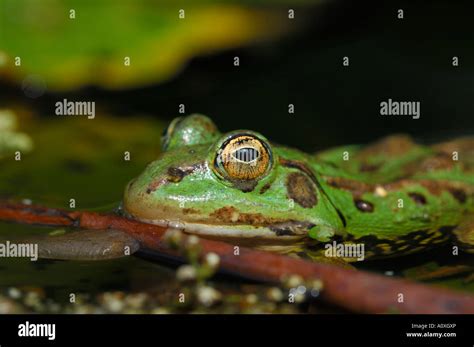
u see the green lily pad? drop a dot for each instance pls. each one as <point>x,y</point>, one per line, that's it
<point>70,43</point>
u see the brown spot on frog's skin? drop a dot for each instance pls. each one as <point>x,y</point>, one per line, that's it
<point>434,187</point>
<point>300,166</point>
<point>155,184</point>
<point>227,214</point>
<point>459,191</point>
<point>230,215</point>
<point>463,146</point>
<point>365,167</point>
<point>190,211</point>
<point>459,194</point>
<point>178,173</point>
<point>244,186</point>
<point>363,205</point>
<point>440,161</point>
<point>291,228</point>
<point>173,175</point>
<point>390,146</point>
<point>265,188</point>
<point>437,161</point>
<point>418,198</point>
<point>301,190</point>
<point>356,187</point>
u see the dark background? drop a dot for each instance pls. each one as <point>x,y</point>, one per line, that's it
<point>405,60</point>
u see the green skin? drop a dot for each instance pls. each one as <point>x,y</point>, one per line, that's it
<point>394,196</point>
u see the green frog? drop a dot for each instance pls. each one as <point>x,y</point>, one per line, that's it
<point>394,196</point>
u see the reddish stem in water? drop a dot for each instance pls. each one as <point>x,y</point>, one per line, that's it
<point>355,290</point>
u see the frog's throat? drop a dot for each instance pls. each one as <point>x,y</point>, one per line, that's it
<point>226,231</point>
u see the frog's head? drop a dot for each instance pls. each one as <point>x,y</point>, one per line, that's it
<point>230,185</point>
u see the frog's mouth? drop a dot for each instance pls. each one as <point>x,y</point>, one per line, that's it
<point>225,224</point>
<point>282,233</point>
<point>275,238</point>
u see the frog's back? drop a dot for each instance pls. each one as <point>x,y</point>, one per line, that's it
<point>397,194</point>
<point>397,157</point>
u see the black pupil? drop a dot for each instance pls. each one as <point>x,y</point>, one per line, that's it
<point>246,154</point>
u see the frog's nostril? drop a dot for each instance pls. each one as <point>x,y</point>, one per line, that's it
<point>130,184</point>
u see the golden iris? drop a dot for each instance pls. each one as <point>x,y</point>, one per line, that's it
<point>244,157</point>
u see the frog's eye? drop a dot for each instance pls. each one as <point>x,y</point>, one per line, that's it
<point>243,157</point>
<point>186,131</point>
